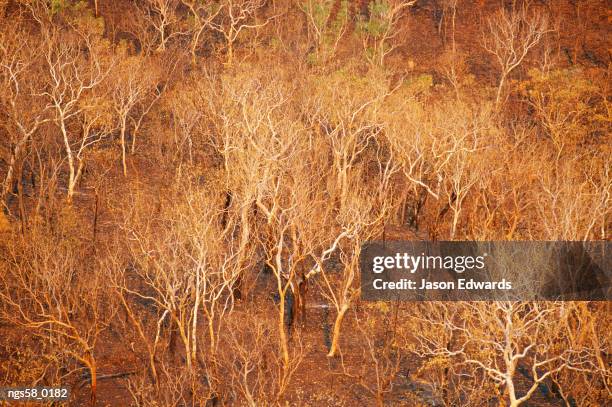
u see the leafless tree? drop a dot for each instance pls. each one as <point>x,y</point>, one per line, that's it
<point>233,17</point>
<point>449,7</point>
<point>70,82</point>
<point>561,204</point>
<point>19,99</point>
<point>509,36</point>
<point>163,17</point>
<point>381,359</point>
<point>279,184</point>
<point>203,13</point>
<point>135,92</point>
<point>262,376</point>
<point>52,297</point>
<point>187,272</point>
<point>502,338</point>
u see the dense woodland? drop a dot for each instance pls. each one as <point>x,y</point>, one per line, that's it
<point>186,186</point>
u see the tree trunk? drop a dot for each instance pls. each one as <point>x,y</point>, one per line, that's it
<point>94,379</point>
<point>186,343</point>
<point>230,53</point>
<point>72,174</point>
<point>282,331</point>
<point>211,335</point>
<point>336,335</point>
<point>11,167</point>
<point>134,133</point>
<point>194,46</point>
<point>380,399</point>
<point>194,337</point>
<point>502,81</point>
<point>123,126</point>
<point>22,211</point>
<point>455,222</point>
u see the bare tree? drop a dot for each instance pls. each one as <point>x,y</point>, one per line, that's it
<point>203,13</point>
<point>441,155</point>
<point>162,15</point>
<point>566,104</point>
<point>188,124</point>
<point>278,182</point>
<point>54,298</point>
<point>71,80</point>
<point>24,108</point>
<point>449,7</point>
<point>562,205</point>
<point>234,16</point>
<point>252,371</point>
<point>378,331</point>
<point>361,221</point>
<point>509,36</point>
<point>348,130</point>
<point>461,176</point>
<point>135,92</point>
<point>502,339</point>
<point>186,272</point>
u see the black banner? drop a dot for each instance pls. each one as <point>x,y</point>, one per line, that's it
<point>474,271</point>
